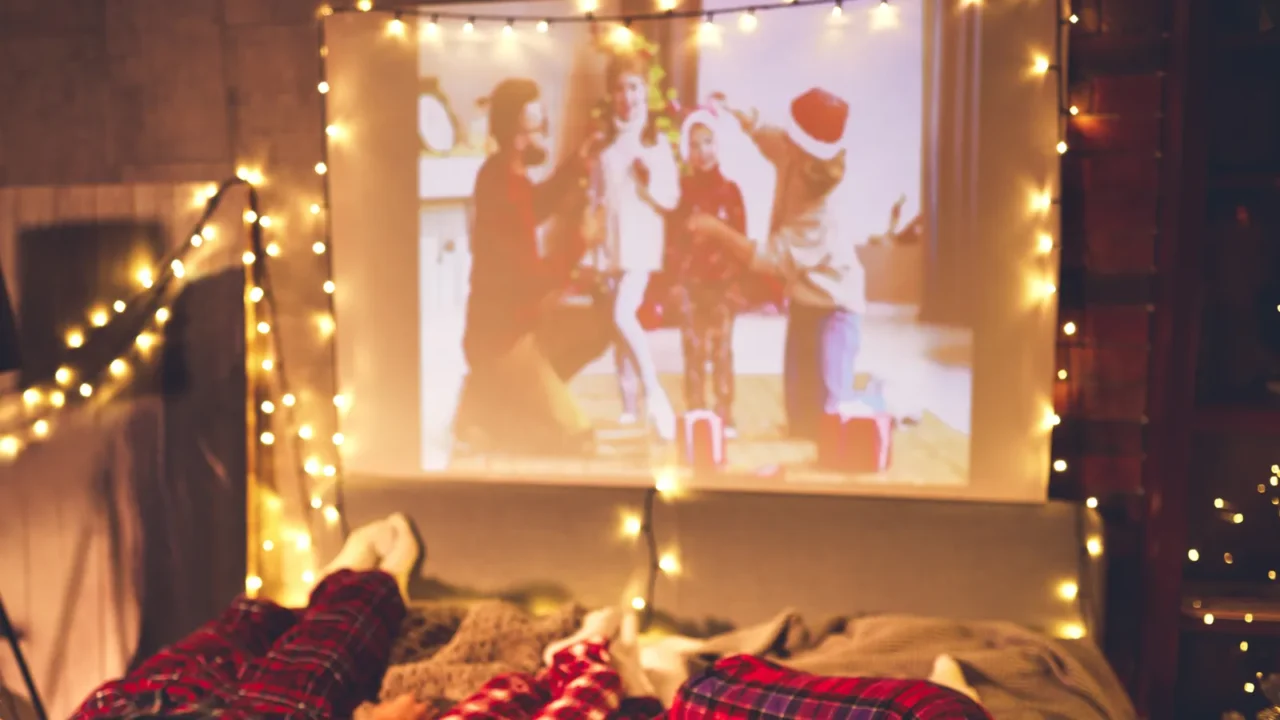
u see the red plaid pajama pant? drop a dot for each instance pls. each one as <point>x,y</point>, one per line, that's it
<point>580,684</point>
<point>258,659</point>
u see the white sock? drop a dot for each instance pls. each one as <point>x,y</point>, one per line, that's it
<point>360,551</point>
<point>597,625</point>
<point>402,550</point>
<point>948,673</point>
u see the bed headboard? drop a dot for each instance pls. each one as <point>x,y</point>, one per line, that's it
<point>747,556</point>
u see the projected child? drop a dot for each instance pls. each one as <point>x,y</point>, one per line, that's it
<point>824,279</point>
<point>708,274</point>
<point>512,396</point>
<point>638,183</point>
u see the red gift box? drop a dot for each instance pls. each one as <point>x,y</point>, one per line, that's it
<point>855,442</point>
<point>702,440</point>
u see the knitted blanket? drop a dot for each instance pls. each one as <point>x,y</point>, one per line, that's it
<point>446,651</point>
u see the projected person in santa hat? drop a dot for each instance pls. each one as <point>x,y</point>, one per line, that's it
<point>824,279</point>
<point>708,276</point>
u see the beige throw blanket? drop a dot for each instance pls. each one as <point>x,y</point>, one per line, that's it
<point>445,652</point>
<point>1019,674</point>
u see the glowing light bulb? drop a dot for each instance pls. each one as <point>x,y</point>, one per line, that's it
<point>1237,518</point>
<point>267,438</point>
<point>1073,110</point>
<point>1069,328</point>
<point>145,341</point>
<point>364,5</point>
<point>637,603</point>
<point>63,375</point>
<point>321,168</point>
<point>1091,503</point>
<point>265,221</point>
<point>395,28</point>
<point>273,249</point>
<point>1068,590</point>
<point>268,546</point>
<point>86,390</point>
<point>1060,465</point>
<point>323,87</point>
<point>340,402</point>
<point>1062,147</point>
<point>747,21</point>
<point>268,407</point>
<point>508,28</point>
<point>326,325</point>
<point>289,399</point>
<point>31,396</point>
<point>75,339</point>
<point>264,328</point>
<point>1093,546</point>
<point>316,502</point>
<point>255,294</point>
<point>250,216</point>
<point>57,399</point>
<point>1073,19</point>
<point>543,26</point>
<point>338,438</point>
<point>308,576</point>
<point>1044,243</point>
<point>330,514</point>
<point>469,27</point>
<point>9,446</point>
<point>328,287</point>
<point>1040,65</point>
<point>837,10</point>
<point>179,270</point>
<point>313,466</point>
<point>1193,555</point>
<point>317,247</point>
<point>621,36</point>
<point>118,368</point>
<point>162,315</point>
<point>305,432</point>
<point>667,5</point>
<point>669,564</point>
<point>1208,618</point>
<point>208,232</point>
<point>1219,503</point>
<point>1062,374</point>
<point>632,525</point>
<point>40,428</point>
<point>1072,631</point>
<point>329,471</point>
<point>99,318</point>
<point>268,364</point>
<point>119,306</point>
<point>314,209</point>
<point>253,583</point>
<point>248,257</point>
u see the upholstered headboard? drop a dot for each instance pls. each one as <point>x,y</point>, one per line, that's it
<point>747,556</point>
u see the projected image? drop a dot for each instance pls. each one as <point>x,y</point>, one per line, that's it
<point>686,244</point>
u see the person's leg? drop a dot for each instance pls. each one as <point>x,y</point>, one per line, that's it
<point>635,342</point>
<point>332,658</point>
<point>582,682</point>
<point>695,354</point>
<point>720,349</point>
<point>510,696</point>
<point>840,341</point>
<point>538,405</point>
<point>190,672</point>
<point>628,383</point>
<point>802,372</point>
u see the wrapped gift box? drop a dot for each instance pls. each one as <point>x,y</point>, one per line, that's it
<point>856,440</point>
<point>702,445</point>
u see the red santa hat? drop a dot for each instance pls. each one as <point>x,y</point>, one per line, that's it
<point>817,122</point>
<point>707,117</point>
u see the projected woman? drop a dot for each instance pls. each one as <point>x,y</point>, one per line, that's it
<point>637,183</point>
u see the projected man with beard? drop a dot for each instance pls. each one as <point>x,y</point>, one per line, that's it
<point>513,400</point>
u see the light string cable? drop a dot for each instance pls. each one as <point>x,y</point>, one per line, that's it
<point>327,251</point>
<point>435,11</point>
<point>137,312</point>
<point>653,566</point>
